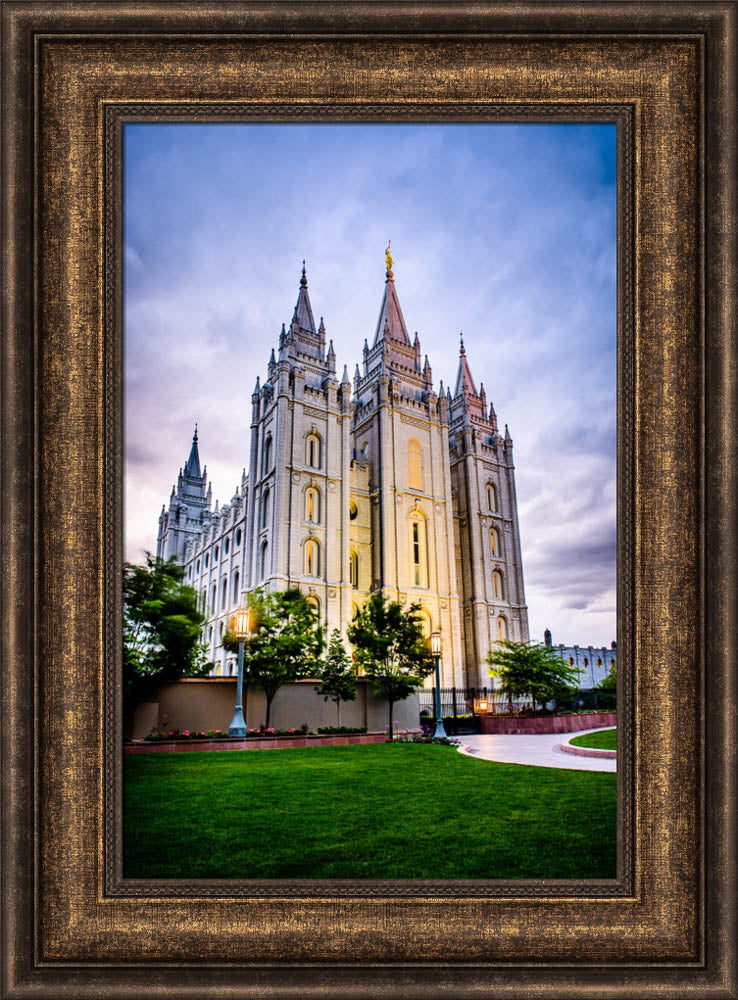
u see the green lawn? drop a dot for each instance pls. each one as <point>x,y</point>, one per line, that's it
<point>604,740</point>
<point>375,811</point>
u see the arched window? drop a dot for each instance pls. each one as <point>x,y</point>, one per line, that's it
<point>215,554</point>
<point>220,634</point>
<point>224,594</point>
<point>197,566</point>
<point>498,585</point>
<point>492,497</point>
<point>314,603</point>
<point>501,628</point>
<point>354,611</point>
<point>586,662</point>
<point>414,465</point>
<point>267,455</point>
<point>353,510</point>
<point>426,625</point>
<point>312,557</point>
<point>418,552</point>
<point>226,546</point>
<point>312,451</point>
<point>236,590</point>
<point>354,569</point>
<point>571,661</point>
<point>265,509</point>
<point>264,550</point>
<point>312,505</point>
<point>599,662</point>
<point>213,596</point>
<point>207,560</point>
<point>494,541</point>
<point>238,537</point>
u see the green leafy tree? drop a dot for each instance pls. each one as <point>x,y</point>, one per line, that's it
<point>161,628</point>
<point>285,645</point>
<point>525,668</point>
<point>390,646</point>
<point>337,676</point>
<point>610,683</point>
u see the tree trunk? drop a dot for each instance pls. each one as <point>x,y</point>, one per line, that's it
<point>269,699</point>
<point>338,712</point>
<point>391,706</point>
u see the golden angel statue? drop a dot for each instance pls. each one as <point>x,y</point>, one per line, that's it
<point>388,256</point>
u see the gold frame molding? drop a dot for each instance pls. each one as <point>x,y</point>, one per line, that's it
<point>72,73</point>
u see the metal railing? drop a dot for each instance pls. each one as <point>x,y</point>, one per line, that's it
<point>460,706</point>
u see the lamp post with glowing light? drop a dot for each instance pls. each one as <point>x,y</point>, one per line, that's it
<point>241,629</point>
<point>440,733</point>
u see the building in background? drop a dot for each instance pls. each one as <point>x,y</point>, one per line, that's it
<point>593,662</point>
<point>354,487</point>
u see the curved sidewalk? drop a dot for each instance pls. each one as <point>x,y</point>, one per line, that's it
<point>541,751</point>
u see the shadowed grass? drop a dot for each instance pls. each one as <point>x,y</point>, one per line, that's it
<point>605,740</point>
<point>376,811</point>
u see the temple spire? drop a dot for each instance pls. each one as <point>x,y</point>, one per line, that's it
<point>391,322</point>
<point>464,381</point>
<point>303,314</point>
<point>192,468</point>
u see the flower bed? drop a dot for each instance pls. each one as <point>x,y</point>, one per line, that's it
<point>531,724</point>
<point>257,742</point>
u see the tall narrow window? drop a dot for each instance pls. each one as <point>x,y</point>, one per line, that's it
<point>501,628</point>
<point>265,509</point>
<point>494,541</point>
<point>267,457</point>
<point>312,506</point>
<point>418,553</point>
<point>264,548</point>
<point>213,597</point>
<point>414,465</point>
<point>236,589</point>
<point>354,569</point>
<point>224,594</point>
<point>312,557</point>
<point>492,497</point>
<point>314,604</point>
<point>313,455</point>
<point>498,586</point>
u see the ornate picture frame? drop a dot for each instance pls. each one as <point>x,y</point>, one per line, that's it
<point>73,73</point>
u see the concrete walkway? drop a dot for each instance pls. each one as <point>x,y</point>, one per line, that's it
<point>542,751</point>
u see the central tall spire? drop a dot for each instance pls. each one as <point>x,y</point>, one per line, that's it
<point>391,322</point>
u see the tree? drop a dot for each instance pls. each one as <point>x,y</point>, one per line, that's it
<point>285,645</point>
<point>161,628</point>
<point>610,683</point>
<point>337,677</point>
<point>531,669</point>
<point>391,648</point>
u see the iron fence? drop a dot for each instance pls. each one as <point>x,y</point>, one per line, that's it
<point>460,706</point>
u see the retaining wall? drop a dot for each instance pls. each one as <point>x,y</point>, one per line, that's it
<point>526,726</point>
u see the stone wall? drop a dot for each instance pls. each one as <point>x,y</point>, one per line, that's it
<point>208,702</point>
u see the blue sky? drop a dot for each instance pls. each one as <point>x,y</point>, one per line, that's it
<point>504,232</point>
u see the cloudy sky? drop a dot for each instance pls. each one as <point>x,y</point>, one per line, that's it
<point>504,232</point>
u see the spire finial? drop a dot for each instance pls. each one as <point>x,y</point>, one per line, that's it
<point>388,257</point>
<point>461,344</point>
<point>303,279</point>
<point>194,436</point>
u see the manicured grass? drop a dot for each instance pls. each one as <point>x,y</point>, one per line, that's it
<point>604,740</point>
<point>376,811</point>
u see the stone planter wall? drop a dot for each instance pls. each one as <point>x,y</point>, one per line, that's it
<point>512,726</point>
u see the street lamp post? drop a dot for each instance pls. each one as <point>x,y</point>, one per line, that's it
<point>241,630</point>
<point>440,733</point>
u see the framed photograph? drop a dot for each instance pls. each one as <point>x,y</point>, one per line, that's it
<point>124,138</point>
